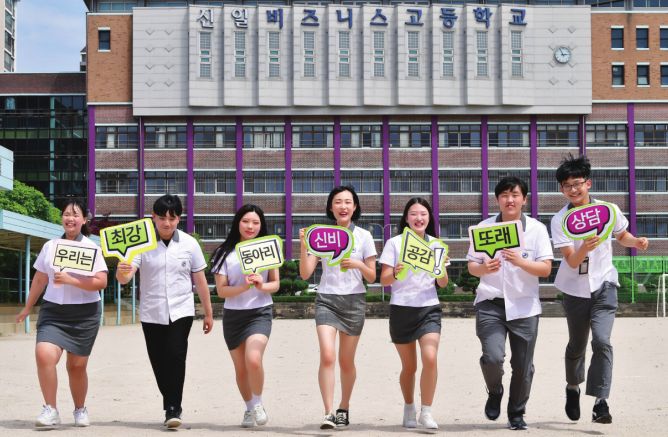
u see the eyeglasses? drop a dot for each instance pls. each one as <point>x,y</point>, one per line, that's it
<point>576,185</point>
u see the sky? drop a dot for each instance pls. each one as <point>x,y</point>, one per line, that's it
<point>51,33</point>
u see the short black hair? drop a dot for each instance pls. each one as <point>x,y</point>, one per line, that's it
<point>81,206</point>
<point>509,183</point>
<point>572,167</point>
<point>403,223</point>
<point>169,203</point>
<point>340,189</point>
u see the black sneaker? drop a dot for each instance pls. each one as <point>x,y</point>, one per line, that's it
<point>573,403</point>
<point>517,423</point>
<point>493,405</point>
<point>601,413</point>
<point>173,417</point>
<point>342,418</point>
<point>329,422</point>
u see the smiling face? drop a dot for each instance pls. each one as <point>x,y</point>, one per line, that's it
<point>343,207</point>
<point>576,190</point>
<point>73,219</point>
<point>417,218</point>
<point>510,203</point>
<point>166,225</point>
<point>249,226</point>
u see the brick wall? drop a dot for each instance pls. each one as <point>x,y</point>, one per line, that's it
<point>109,73</point>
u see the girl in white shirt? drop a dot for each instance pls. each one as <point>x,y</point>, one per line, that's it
<point>340,304</point>
<point>415,315</point>
<point>247,312</point>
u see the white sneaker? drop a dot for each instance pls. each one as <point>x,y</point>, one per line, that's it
<point>427,421</point>
<point>48,418</point>
<point>81,417</point>
<point>249,420</point>
<point>410,418</point>
<point>260,415</point>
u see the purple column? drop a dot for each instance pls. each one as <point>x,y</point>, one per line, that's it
<point>141,188</point>
<point>337,151</point>
<point>91,160</point>
<point>434,175</point>
<point>484,165</point>
<point>190,176</point>
<point>631,119</point>
<point>288,188</point>
<point>533,158</point>
<point>239,159</point>
<point>386,178</point>
<point>582,135</point>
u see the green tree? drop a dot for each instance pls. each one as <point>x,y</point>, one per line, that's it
<point>27,200</point>
<point>467,281</point>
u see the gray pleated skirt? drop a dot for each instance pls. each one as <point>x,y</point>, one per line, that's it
<point>73,327</point>
<point>408,324</point>
<point>238,325</point>
<point>344,312</point>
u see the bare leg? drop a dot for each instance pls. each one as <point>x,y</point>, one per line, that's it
<point>76,370</point>
<point>326,378</point>
<point>347,349</point>
<point>408,356</point>
<point>47,356</point>
<point>239,359</point>
<point>255,346</point>
<point>429,353</point>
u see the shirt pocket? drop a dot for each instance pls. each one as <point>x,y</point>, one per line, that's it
<point>182,263</point>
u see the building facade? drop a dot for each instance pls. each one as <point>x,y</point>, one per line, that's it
<point>8,32</point>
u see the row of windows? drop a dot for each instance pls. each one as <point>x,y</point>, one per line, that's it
<point>642,37</point>
<point>642,74</point>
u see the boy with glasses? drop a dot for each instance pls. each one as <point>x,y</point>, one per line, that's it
<point>589,282</point>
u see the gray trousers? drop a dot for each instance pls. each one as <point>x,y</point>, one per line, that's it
<point>597,314</point>
<point>492,329</point>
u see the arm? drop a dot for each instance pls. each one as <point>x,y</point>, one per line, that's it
<point>39,282</point>
<point>367,267</point>
<point>92,283</point>
<point>488,266</point>
<point>307,262</point>
<point>537,268</point>
<point>271,286</point>
<point>225,290</point>
<point>627,239</point>
<point>389,273</point>
<point>125,272</point>
<point>575,257</point>
<point>205,298</point>
<point>443,282</point>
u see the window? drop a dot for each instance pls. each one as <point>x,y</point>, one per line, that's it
<point>104,39</point>
<point>309,54</point>
<point>274,50</point>
<point>116,182</point>
<point>481,45</point>
<point>9,43</point>
<point>547,182</point>
<point>617,38</point>
<point>663,38</point>
<point>459,181</point>
<point>413,43</point>
<point>215,182</point>
<point>260,182</point>
<point>378,54</point>
<point>372,223</point>
<point>213,228</point>
<point>606,135</point>
<point>618,75</point>
<point>454,135</point>
<point>516,53</point>
<point>9,22</point>
<point>364,181</point>
<point>557,135</point>
<point>651,135</point>
<point>653,226</point>
<point>316,136</point>
<point>448,54</point>
<point>205,54</point>
<point>161,137</point>
<point>511,135</point>
<point>215,136</point>
<point>410,181</point>
<point>239,54</point>
<point>457,227</point>
<point>410,135</point>
<point>263,137</point>
<point>642,38</point>
<point>276,225</point>
<point>317,181</point>
<point>116,137</point>
<point>344,54</point>
<point>354,136</point>
<point>651,180</point>
<point>664,75</point>
<point>9,62</point>
<point>496,175</point>
<point>299,222</point>
<point>610,181</point>
<point>643,74</point>
<point>115,5</point>
<point>161,182</point>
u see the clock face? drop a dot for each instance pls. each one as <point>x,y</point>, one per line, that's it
<point>562,55</point>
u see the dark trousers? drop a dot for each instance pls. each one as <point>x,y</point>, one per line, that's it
<point>167,347</point>
<point>492,329</point>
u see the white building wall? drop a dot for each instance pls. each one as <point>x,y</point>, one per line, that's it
<point>204,91</point>
<point>240,91</point>
<point>380,91</point>
<point>448,90</point>
<point>414,90</point>
<point>342,90</point>
<point>310,91</point>
<point>275,91</point>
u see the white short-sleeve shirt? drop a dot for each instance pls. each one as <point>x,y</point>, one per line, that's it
<point>418,289</point>
<point>166,279</point>
<point>517,287</point>
<point>334,281</point>
<point>582,282</point>
<point>65,293</point>
<point>249,299</point>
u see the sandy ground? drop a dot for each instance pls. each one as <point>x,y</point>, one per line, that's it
<point>123,398</point>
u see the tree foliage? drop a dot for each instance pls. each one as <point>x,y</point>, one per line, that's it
<point>27,200</point>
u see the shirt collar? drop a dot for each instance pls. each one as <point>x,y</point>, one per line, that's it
<point>523,219</point>
<point>77,238</point>
<point>591,200</point>
<point>175,235</point>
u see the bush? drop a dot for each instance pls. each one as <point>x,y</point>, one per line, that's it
<point>467,281</point>
<point>626,283</point>
<point>447,290</point>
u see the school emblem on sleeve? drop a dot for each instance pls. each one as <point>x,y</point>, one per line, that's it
<point>589,220</point>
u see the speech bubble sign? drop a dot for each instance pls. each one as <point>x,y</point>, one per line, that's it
<point>492,238</point>
<point>332,243</point>
<point>260,254</point>
<point>128,240</point>
<point>73,257</point>
<point>419,255</point>
<point>586,221</point>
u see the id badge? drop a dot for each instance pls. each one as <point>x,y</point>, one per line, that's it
<point>584,266</point>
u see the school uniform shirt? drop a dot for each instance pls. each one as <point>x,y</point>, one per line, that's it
<point>166,279</point>
<point>66,293</point>
<point>418,289</point>
<point>517,287</point>
<point>334,281</point>
<point>585,279</point>
<point>249,299</point>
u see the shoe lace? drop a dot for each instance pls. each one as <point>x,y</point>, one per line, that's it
<point>341,416</point>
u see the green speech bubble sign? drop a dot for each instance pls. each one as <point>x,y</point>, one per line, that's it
<point>490,239</point>
<point>73,257</point>
<point>419,255</point>
<point>260,254</point>
<point>128,240</point>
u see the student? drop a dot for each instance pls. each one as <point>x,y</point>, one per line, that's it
<point>69,319</point>
<point>415,315</point>
<point>247,311</point>
<point>589,282</point>
<point>340,303</point>
<point>507,303</point>
<point>166,308</point>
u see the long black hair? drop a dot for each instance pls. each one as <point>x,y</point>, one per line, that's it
<point>221,252</point>
<point>78,204</point>
<point>431,230</point>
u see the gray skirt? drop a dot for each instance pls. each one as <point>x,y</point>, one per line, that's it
<point>238,325</point>
<point>408,324</point>
<point>73,327</point>
<point>344,312</point>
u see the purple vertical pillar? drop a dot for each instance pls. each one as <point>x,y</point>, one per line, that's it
<point>434,175</point>
<point>337,151</point>
<point>631,120</point>
<point>288,188</point>
<point>533,163</point>
<point>582,135</point>
<point>239,160</point>
<point>190,176</point>
<point>141,188</point>
<point>386,178</point>
<point>91,160</point>
<point>484,165</point>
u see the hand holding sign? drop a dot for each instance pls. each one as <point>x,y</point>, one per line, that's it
<point>128,240</point>
<point>260,254</point>
<point>421,256</point>
<point>586,221</point>
<point>333,243</point>
<point>490,239</point>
